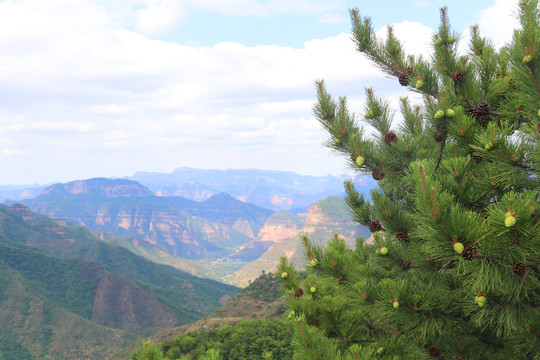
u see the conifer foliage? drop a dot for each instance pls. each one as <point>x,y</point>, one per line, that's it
<point>453,271</point>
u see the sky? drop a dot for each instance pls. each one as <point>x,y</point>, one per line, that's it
<point>106,88</point>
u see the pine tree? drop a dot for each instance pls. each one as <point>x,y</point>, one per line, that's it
<point>452,272</point>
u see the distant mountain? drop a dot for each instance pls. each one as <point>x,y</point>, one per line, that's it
<point>181,227</point>
<point>51,272</point>
<point>19,192</point>
<point>282,230</point>
<point>270,189</point>
<point>99,187</point>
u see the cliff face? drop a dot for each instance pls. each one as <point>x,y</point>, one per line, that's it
<point>181,227</point>
<point>279,226</point>
<point>322,220</point>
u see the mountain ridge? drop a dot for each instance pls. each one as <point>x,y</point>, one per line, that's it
<point>181,227</point>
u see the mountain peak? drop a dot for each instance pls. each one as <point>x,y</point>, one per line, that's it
<point>110,188</point>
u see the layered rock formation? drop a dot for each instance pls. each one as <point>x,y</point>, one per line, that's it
<point>323,219</point>
<point>181,227</point>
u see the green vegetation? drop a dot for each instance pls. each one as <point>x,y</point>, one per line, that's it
<point>58,284</point>
<point>453,271</point>
<point>266,287</point>
<point>10,349</point>
<point>68,282</point>
<point>244,340</point>
<point>33,324</point>
<point>186,296</point>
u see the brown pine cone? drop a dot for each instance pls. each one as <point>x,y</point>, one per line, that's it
<point>375,226</point>
<point>402,236</point>
<point>469,253</point>
<point>459,76</point>
<point>476,157</point>
<point>390,138</point>
<point>299,293</point>
<point>518,268</point>
<point>433,351</point>
<point>481,112</point>
<point>378,176</point>
<point>483,107</point>
<point>403,79</point>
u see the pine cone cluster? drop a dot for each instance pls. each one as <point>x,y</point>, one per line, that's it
<point>378,176</point>
<point>459,76</point>
<point>299,293</point>
<point>375,226</point>
<point>390,138</point>
<point>433,351</point>
<point>469,253</point>
<point>402,236</point>
<point>518,268</point>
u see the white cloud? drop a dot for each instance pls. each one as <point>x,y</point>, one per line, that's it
<point>159,16</point>
<point>415,37</point>
<point>11,152</point>
<point>499,21</point>
<point>83,91</point>
<point>333,19</point>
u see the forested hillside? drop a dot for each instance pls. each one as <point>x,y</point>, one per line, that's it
<point>91,287</point>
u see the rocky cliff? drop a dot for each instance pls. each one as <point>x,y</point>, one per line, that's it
<point>323,219</point>
<point>181,227</point>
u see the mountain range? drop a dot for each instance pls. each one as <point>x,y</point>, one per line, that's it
<point>67,294</point>
<point>181,227</point>
<point>275,190</point>
<point>79,270</point>
<point>221,237</point>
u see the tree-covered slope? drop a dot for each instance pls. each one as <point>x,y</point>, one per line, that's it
<point>103,283</point>
<point>36,325</point>
<point>256,309</point>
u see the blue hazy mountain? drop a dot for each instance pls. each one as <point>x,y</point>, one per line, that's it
<point>270,189</point>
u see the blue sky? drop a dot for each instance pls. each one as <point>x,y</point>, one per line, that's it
<point>295,28</point>
<point>110,87</point>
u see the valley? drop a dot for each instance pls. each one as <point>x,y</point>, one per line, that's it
<point>91,266</point>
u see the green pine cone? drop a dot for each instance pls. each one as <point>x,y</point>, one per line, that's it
<point>439,114</point>
<point>510,221</point>
<point>458,247</point>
